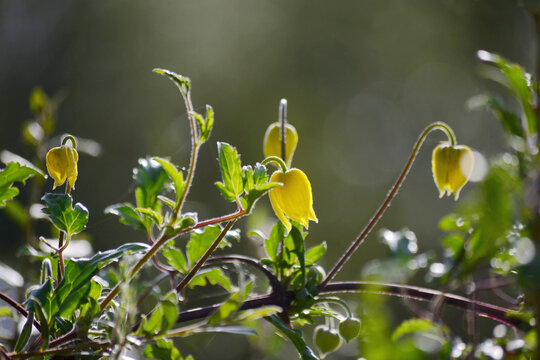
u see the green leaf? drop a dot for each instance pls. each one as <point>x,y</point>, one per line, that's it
<point>231,172</point>
<point>315,254</point>
<point>230,306</point>
<point>40,315</point>
<point>519,81</point>
<point>298,240</point>
<point>271,245</point>
<point>254,314</point>
<point>228,329</point>
<point>24,336</point>
<point>175,257</point>
<point>163,349</point>
<point>74,288</point>
<point>162,318</point>
<point>63,215</point>
<point>176,176</point>
<point>209,123</point>
<point>12,173</point>
<point>151,216</point>
<point>200,241</point>
<point>151,180</point>
<point>415,326</point>
<point>510,121</point>
<point>212,276</point>
<point>255,184</point>
<point>295,336</point>
<point>183,82</point>
<point>127,214</point>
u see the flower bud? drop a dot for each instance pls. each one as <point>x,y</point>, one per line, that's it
<point>62,164</point>
<point>326,340</point>
<point>293,200</point>
<point>349,328</point>
<point>272,141</point>
<point>452,167</point>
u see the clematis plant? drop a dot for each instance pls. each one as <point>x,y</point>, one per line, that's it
<point>90,307</point>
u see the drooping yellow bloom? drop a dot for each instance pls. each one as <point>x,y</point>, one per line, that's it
<point>452,167</point>
<point>62,165</point>
<point>293,200</point>
<point>272,141</point>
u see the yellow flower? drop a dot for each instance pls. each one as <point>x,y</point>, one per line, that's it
<point>62,165</point>
<point>272,141</point>
<point>452,167</point>
<point>293,200</point>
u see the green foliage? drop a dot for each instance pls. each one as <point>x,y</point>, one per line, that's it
<point>14,172</point>
<point>231,172</point>
<point>63,215</point>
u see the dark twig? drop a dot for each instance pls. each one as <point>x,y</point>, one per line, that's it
<point>493,312</point>
<point>19,308</point>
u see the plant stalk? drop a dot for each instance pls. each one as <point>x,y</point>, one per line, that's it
<point>389,197</point>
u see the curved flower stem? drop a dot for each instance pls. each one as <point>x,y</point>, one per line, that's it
<point>158,244</point>
<point>277,160</point>
<point>206,255</point>
<point>493,312</point>
<point>19,308</point>
<point>338,301</point>
<point>71,138</point>
<point>389,197</point>
<point>195,146</point>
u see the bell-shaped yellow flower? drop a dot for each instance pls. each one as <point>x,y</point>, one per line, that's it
<point>62,165</point>
<point>293,200</point>
<point>452,167</point>
<point>272,141</point>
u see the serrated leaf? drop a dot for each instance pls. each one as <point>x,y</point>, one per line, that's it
<point>151,215</point>
<point>176,176</point>
<point>315,254</point>
<point>255,184</point>
<point>213,276</point>
<point>70,219</point>
<point>175,257</point>
<point>127,214</point>
<point>209,123</point>
<point>13,172</point>
<point>231,171</point>
<point>183,82</point>
<point>200,241</point>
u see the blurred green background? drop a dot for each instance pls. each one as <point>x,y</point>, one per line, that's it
<point>362,79</point>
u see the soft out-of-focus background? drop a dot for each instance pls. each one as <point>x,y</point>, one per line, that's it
<point>362,78</point>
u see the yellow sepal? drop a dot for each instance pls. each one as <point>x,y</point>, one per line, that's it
<point>452,167</point>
